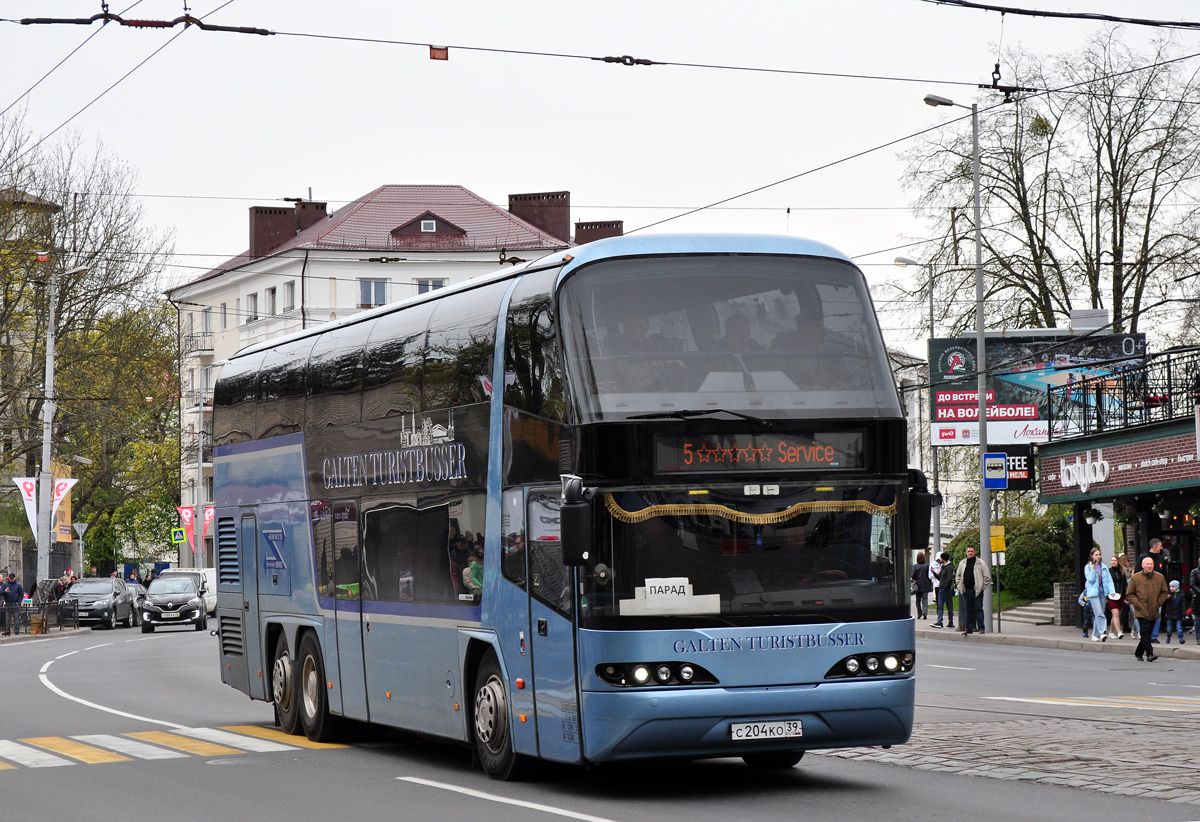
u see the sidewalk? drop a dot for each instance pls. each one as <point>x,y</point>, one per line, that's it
<point>1062,637</point>
<point>51,634</point>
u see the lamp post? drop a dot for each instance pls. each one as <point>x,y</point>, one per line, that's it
<point>937,497</point>
<point>985,537</point>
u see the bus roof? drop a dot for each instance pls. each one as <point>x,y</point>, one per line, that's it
<point>632,245</point>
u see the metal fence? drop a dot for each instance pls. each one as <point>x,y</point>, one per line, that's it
<point>38,619</point>
<point>1167,387</point>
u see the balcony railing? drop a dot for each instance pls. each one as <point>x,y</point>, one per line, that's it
<point>188,444</point>
<point>1166,387</point>
<point>200,344</point>
<point>197,399</point>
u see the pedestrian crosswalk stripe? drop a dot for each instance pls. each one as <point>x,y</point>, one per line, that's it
<point>130,747</point>
<point>246,743</point>
<point>280,736</point>
<point>182,743</point>
<point>1137,703</point>
<point>30,757</point>
<point>75,749</point>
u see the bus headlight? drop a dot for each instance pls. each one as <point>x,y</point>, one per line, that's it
<point>891,663</point>
<point>635,674</point>
<point>887,663</point>
<point>641,674</point>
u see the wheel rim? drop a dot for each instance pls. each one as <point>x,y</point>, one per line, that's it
<point>281,677</point>
<point>491,715</point>
<point>310,686</point>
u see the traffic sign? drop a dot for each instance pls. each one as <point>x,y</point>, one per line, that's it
<point>995,471</point>
<point>178,535</point>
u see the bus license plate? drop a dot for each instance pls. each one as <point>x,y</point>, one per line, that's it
<point>750,731</point>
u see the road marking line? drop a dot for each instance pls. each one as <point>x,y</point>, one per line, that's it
<point>76,750</point>
<point>46,681</point>
<point>950,667</point>
<point>280,736</point>
<point>129,747</point>
<point>182,743</point>
<point>30,757</point>
<point>246,743</point>
<point>491,797</point>
<point>1090,703</point>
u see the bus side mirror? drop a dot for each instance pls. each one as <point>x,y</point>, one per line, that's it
<point>575,521</point>
<point>920,510</point>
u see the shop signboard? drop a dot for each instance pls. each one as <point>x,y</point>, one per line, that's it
<point>1021,369</point>
<point>1118,469</point>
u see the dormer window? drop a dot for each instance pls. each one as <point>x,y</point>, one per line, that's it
<point>429,223</point>
<point>428,226</point>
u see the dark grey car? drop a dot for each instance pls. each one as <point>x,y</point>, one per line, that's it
<point>104,600</point>
<point>173,600</point>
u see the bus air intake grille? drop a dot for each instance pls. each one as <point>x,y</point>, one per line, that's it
<point>232,640</point>
<point>229,572</point>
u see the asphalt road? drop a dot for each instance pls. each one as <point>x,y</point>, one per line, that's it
<point>171,736</point>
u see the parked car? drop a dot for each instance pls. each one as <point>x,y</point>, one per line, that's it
<point>206,583</point>
<point>104,600</point>
<point>139,596</point>
<point>172,599</point>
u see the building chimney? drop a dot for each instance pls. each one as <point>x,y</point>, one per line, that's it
<point>271,226</point>
<point>550,211</point>
<point>586,232</point>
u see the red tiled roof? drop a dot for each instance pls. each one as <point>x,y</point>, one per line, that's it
<point>366,224</point>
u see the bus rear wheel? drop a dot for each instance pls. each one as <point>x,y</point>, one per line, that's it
<point>493,736</point>
<point>283,689</point>
<point>773,761</point>
<point>319,724</point>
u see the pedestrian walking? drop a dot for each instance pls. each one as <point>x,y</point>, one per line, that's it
<point>942,573</point>
<point>1172,611</point>
<point>971,578</point>
<point>1160,566</point>
<point>1146,593</point>
<point>921,585</point>
<point>1098,585</point>
<point>1116,600</point>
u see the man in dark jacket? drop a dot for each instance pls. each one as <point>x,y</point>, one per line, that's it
<point>1159,558</point>
<point>1146,593</point>
<point>12,593</point>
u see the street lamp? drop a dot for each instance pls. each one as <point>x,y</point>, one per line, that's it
<point>937,497</point>
<point>985,531</point>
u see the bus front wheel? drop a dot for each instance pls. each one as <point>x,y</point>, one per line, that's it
<point>493,736</point>
<point>319,724</point>
<point>283,689</point>
<point>773,761</point>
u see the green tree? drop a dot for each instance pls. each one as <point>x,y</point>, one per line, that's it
<point>1039,552</point>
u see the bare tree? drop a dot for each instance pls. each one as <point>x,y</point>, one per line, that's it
<point>1089,190</point>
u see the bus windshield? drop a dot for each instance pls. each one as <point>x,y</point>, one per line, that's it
<point>712,555</point>
<point>772,336</point>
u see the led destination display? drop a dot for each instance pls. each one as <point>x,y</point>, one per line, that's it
<point>675,453</point>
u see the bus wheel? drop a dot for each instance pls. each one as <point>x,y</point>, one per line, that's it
<point>319,724</point>
<point>493,740</point>
<point>773,761</point>
<point>283,689</point>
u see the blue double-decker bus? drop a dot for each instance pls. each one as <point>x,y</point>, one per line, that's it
<point>645,498</point>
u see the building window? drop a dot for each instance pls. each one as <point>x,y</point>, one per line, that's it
<point>289,295</point>
<point>429,226</point>
<point>425,286</point>
<point>224,316</point>
<point>269,298</point>
<point>251,307</point>
<point>371,293</point>
<point>206,321</point>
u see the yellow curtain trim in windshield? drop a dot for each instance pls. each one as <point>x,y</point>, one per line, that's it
<point>725,512</point>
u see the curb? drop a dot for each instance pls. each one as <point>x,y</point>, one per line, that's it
<point>17,638</point>
<point>1116,646</point>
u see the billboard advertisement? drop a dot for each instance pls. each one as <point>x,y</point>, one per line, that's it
<point>1021,370</point>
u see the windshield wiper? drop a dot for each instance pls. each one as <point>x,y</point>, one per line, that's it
<point>688,413</point>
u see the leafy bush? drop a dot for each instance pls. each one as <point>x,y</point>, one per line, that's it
<point>1039,553</point>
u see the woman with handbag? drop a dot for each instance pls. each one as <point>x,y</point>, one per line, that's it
<point>921,585</point>
<point>1098,584</point>
<point>1115,602</point>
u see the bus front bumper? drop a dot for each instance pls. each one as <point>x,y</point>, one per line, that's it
<point>696,723</point>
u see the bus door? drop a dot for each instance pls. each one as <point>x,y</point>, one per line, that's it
<point>552,632</point>
<point>348,609</point>
<point>249,606</point>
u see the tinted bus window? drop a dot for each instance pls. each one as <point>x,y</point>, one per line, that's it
<point>235,400</point>
<point>335,376</point>
<point>461,344</point>
<point>395,351</point>
<point>770,336</point>
<point>281,389</point>
<point>532,373</point>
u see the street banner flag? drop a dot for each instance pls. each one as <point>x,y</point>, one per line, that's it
<point>187,517</point>
<point>61,488</point>
<point>209,513</point>
<point>28,486</point>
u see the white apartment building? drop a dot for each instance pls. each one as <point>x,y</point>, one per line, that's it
<point>306,266</point>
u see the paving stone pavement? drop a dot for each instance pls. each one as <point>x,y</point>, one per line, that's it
<point>1098,754</point>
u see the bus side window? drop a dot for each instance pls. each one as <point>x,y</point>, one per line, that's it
<point>549,579</point>
<point>394,352</point>
<point>460,347</point>
<point>532,372</point>
<point>512,529</point>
